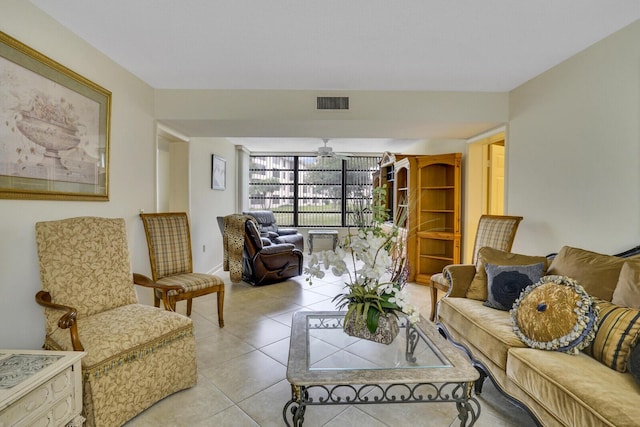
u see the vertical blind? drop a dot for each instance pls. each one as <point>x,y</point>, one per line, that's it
<point>310,191</point>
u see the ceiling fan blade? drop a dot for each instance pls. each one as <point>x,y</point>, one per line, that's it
<point>326,151</point>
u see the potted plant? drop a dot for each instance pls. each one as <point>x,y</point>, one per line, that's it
<point>375,290</point>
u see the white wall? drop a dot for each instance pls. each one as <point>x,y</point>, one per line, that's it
<point>163,174</point>
<point>207,204</point>
<point>131,173</point>
<point>179,179</point>
<point>573,151</point>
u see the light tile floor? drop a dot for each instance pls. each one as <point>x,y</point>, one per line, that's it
<point>242,367</point>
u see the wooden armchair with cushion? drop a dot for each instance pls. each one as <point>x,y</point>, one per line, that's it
<point>136,354</point>
<point>169,241</point>
<point>494,231</point>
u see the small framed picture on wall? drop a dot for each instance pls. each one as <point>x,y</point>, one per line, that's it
<point>218,173</point>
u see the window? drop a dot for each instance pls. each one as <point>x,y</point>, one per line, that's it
<point>311,191</point>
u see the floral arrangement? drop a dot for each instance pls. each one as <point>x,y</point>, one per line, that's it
<point>377,279</point>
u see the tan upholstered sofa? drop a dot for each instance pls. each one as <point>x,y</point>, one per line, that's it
<point>558,389</point>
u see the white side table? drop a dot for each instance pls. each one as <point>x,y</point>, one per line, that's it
<point>322,234</point>
<point>39,387</point>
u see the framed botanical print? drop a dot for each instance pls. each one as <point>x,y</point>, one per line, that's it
<point>218,173</point>
<point>54,129</point>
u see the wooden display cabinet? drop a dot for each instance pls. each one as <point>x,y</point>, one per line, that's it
<point>424,199</point>
<point>438,214</point>
<point>405,197</point>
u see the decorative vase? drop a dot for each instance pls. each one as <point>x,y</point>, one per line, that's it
<point>385,333</point>
<point>54,137</point>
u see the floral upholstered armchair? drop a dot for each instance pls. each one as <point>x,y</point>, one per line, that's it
<point>136,354</point>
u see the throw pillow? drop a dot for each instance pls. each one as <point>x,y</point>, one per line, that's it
<point>618,332</point>
<point>506,282</point>
<point>478,289</point>
<point>597,273</point>
<point>634,363</point>
<point>627,291</point>
<point>555,314</point>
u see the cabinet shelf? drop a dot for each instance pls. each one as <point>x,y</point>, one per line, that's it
<point>439,257</point>
<point>441,187</point>
<point>438,236</point>
<point>437,233</point>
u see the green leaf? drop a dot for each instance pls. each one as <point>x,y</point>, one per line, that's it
<point>372,320</point>
<point>387,304</point>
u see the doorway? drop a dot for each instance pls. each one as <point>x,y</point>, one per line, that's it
<point>485,189</point>
<point>495,178</point>
<point>172,171</point>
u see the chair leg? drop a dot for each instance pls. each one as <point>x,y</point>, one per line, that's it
<point>156,299</point>
<point>189,303</point>
<point>220,306</point>
<point>434,298</point>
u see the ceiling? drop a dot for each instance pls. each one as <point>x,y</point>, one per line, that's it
<point>374,45</point>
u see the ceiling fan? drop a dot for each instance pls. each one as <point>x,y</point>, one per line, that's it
<point>326,151</point>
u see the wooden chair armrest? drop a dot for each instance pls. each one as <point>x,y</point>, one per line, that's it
<point>460,276</point>
<point>142,280</point>
<point>66,321</point>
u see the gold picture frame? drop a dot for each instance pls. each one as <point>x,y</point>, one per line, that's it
<point>54,129</point>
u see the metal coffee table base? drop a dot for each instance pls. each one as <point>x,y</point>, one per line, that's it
<point>420,366</point>
<point>458,393</point>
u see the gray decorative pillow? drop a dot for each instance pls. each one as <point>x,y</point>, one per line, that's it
<point>505,282</point>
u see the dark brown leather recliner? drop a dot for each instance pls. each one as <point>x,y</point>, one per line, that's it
<point>269,228</point>
<point>264,263</point>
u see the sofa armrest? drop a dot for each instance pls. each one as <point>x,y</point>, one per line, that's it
<point>460,276</point>
<point>277,248</point>
<point>287,231</point>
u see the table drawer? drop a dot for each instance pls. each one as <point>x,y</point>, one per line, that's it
<point>49,404</point>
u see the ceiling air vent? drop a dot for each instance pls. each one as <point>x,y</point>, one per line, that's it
<point>332,102</point>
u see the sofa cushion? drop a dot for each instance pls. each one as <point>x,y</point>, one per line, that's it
<point>478,287</point>
<point>633,366</point>
<point>110,342</point>
<point>627,291</point>
<point>618,332</point>
<point>555,314</point>
<point>506,282</point>
<point>596,273</point>
<point>489,330</point>
<point>577,389</point>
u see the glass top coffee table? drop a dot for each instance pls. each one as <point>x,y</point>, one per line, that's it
<point>328,367</point>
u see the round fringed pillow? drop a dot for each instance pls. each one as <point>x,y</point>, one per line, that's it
<point>555,314</point>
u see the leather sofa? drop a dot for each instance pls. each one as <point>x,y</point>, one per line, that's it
<point>557,388</point>
<point>264,262</point>
<point>269,228</point>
